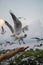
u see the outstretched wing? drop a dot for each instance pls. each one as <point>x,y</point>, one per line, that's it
<point>10,27</point>
<point>35,38</point>
<point>17,23</point>
<point>25,28</point>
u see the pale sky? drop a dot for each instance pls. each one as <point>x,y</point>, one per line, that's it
<point>25,8</point>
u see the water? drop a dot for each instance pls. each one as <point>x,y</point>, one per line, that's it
<point>11,44</point>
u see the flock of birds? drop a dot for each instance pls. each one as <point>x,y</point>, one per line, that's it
<point>18,32</point>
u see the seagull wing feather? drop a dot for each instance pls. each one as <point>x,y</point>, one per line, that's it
<point>17,23</point>
<point>10,27</point>
<point>25,28</point>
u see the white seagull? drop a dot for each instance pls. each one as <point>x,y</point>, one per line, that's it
<point>18,32</point>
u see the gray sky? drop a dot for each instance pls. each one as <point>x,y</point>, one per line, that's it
<point>25,8</point>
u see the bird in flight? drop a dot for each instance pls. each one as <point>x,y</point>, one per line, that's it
<point>18,32</point>
<point>37,38</point>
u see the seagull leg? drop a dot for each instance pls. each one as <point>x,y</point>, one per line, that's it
<point>23,41</point>
<point>3,31</point>
<point>19,41</point>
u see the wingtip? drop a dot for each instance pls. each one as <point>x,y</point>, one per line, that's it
<point>10,11</point>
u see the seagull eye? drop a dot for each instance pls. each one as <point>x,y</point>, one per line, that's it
<point>25,35</point>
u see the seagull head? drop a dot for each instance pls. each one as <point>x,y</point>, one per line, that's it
<point>25,35</point>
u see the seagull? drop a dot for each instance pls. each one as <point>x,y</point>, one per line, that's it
<point>38,45</point>
<point>38,39</point>
<point>18,32</point>
<point>18,36</point>
<point>22,18</point>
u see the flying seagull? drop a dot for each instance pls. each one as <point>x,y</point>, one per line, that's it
<point>37,38</point>
<point>18,36</point>
<point>22,18</point>
<point>18,32</point>
<point>38,45</point>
